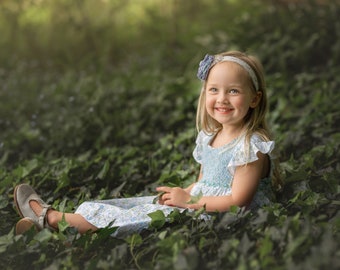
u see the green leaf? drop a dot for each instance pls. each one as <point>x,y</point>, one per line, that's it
<point>199,212</point>
<point>195,199</point>
<point>162,235</point>
<point>266,247</point>
<point>174,215</point>
<point>104,170</point>
<point>6,240</point>
<point>155,200</point>
<point>158,219</point>
<point>134,240</point>
<point>63,225</point>
<point>103,233</point>
<point>3,201</point>
<point>43,236</point>
<point>30,166</point>
<point>234,209</point>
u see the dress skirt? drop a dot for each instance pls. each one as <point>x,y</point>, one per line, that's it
<point>130,215</point>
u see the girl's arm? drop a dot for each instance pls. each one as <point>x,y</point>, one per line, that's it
<point>245,183</point>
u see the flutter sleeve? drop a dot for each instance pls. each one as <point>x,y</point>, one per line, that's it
<point>201,140</point>
<point>247,152</point>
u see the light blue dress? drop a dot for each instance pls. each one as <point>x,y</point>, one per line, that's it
<point>130,215</point>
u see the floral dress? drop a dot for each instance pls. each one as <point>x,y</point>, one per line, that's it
<point>130,215</point>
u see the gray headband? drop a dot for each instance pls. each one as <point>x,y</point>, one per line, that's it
<point>209,61</point>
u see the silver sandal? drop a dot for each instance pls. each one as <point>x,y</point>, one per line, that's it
<point>25,224</point>
<point>23,194</point>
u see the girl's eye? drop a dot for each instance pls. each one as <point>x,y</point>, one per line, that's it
<point>213,90</point>
<point>234,91</point>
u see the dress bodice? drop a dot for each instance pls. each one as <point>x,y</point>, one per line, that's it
<point>219,164</point>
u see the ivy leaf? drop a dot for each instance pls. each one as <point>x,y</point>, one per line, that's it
<point>175,215</point>
<point>155,200</point>
<point>30,166</point>
<point>157,219</point>
<point>200,211</point>
<point>104,170</point>
<point>195,199</point>
<point>234,209</point>
<point>134,240</point>
<point>3,202</point>
<point>103,233</point>
<point>63,225</point>
<point>43,236</point>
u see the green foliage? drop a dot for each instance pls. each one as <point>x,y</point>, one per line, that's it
<point>157,219</point>
<point>98,101</point>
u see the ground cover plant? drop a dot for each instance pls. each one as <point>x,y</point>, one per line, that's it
<point>91,110</point>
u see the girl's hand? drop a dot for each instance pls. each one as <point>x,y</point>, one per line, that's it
<point>174,196</point>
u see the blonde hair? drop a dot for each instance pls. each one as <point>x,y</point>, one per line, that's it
<point>255,120</point>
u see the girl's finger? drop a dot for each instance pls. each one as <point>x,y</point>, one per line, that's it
<point>168,203</point>
<point>163,189</point>
<point>166,196</point>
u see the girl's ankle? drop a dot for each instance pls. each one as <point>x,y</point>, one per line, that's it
<point>52,218</point>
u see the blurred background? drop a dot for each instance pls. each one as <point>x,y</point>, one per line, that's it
<point>107,34</point>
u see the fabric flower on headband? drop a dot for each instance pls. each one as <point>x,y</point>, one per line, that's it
<point>210,60</point>
<point>204,67</point>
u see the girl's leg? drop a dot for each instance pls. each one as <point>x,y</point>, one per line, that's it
<point>54,216</point>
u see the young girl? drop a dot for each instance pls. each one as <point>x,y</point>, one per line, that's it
<point>233,147</point>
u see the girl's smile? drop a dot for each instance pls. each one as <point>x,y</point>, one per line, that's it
<point>223,110</point>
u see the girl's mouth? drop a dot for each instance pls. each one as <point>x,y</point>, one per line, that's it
<point>223,110</point>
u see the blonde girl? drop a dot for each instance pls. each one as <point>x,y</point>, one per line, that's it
<point>233,148</point>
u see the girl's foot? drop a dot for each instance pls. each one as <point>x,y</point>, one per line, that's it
<point>51,221</point>
<point>29,204</point>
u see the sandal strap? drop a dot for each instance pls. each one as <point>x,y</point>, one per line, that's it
<point>42,221</point>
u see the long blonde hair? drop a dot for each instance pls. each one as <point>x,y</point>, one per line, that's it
<point>255,120</point>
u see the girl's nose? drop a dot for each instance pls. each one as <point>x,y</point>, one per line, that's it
<point>222,97</point>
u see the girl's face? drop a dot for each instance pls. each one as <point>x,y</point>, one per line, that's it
<point>229,95</point>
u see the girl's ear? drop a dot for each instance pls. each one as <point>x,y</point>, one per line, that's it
<point>256,99</point>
